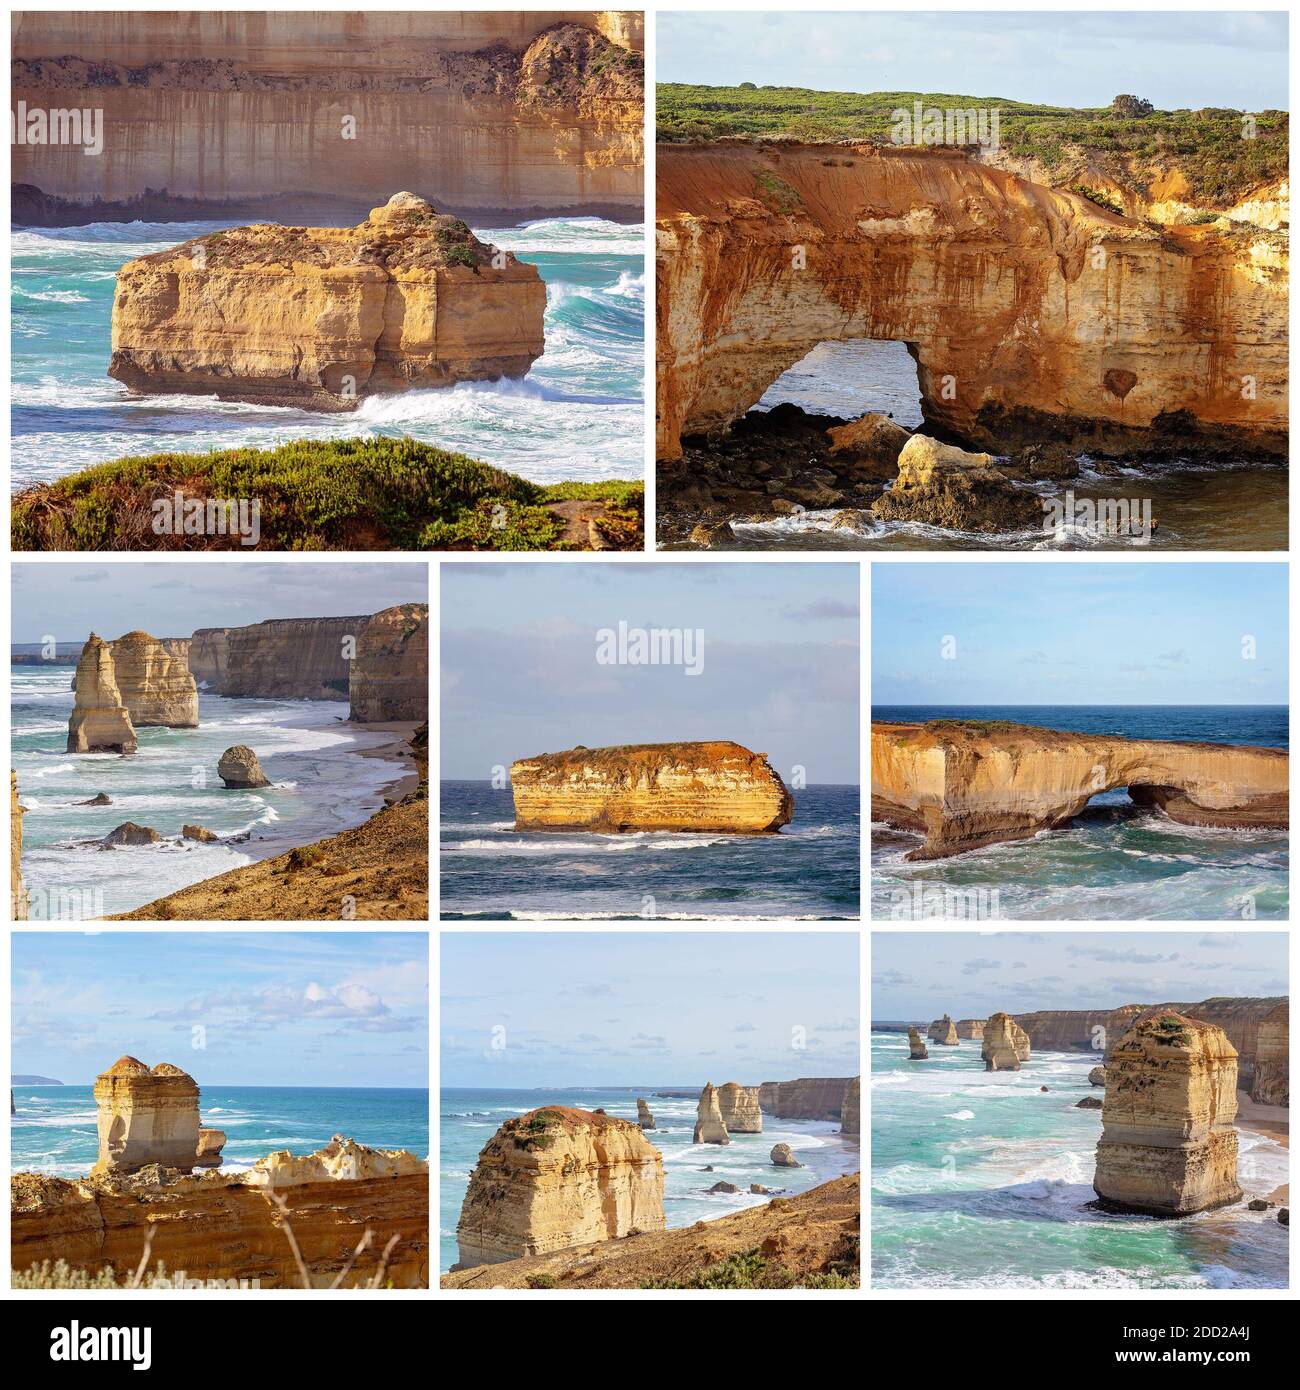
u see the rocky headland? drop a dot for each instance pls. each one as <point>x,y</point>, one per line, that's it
<point>716,786</point>
<point>823,1098</point>
<point>321,318</point>
<point>966,784</point>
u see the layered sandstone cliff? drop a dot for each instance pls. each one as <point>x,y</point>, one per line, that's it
<point>226,1226</point>
<point>968,784</point>
<point>308,114</point>
<point>917,1050</point>
<point>209,658</point>
<point>709,1125</point>
<point>805,1098</point>
<point>1005,1044</point>
<point>149,1116</point>
<point>717,786</point>
<point>558,1177</point>
<point>944,1031</point>
<point>969,1028</point>
<point>389,676</point>
<point>740,1109</point>
<point>155,683</point>
<point>1271,1084</point>
<point>1168,1144</point>
<point>17,888</point>
<point>99,722</point>
<point>1031,312</point>
<point>320,318</point>
<point>279,659</point>
<point>851,1108</point>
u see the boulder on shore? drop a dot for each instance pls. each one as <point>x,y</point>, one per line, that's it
<point>1097,1076</point>
<point>240,768</point>
<point>783,1157</point>
<point>1089,1103</point>
<point>940,485</point>
<point>200,833</point>
<point>129,833</point>
<point>872,443</point>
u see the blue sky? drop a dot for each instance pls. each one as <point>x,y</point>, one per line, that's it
<point>1078,634</point>
<point>647,1008</point>
<point>780,670</point>
<point>922,975</point>
<point>170,600</point>
<point>271,1008</point>
<point>1175,59</point>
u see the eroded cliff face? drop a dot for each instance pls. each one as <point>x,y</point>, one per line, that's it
<point>154,681</point>
<point>17,888</point>
<point>968,784</point>
<point>806,1098</point>
<point>209,657</point>
<point>558,1177</point>
<point>1005,1044</point>
<point>851,1111</point>
<point>716,786</point>
<point>1271,1084</point>
<point>321,318</point>
<point>1168,1144</point>
<point>1031,312</point>
<point>944,1031</point>
<point>311,113</point>
<point>99,722</point>
<point>389,676</point>
<point>970,1028</point>
<point>740,1109</point>
<point>709,1125</point>
<point>224,1226</point>
<point>150,1116</point>
<point>280,659</point>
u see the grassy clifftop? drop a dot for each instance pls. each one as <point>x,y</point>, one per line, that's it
<point>347,494</point>
<point>1205,146</point>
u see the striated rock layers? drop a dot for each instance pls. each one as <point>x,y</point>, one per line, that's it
<point>99,722</point>
<point>716,786</point>
<point>740,1109</point>
<point>558,1177</point>
<point>806,1098</point>
<point>643,1116</point>
<point>970,1028</point>
<point>155,683</point>
<point>389,677</point>
<point>709,1125</point>
<point>262,118</point>
<point>918,1051</point>
<point>225,1226</point>
<point>150,1116</point>
<point>944,1031</point>
<point>1051,317</point>
<point>967,784</point>
<point>1168,1145</point>
<point>17,888</point>
<point>851,1113</point>
<point>1271,1083</point>
<point>320,318</point>
<point>1005,1044</point>
<point>280,659</point>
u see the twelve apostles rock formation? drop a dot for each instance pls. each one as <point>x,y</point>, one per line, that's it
<point>805,1098</point>
<point>151,1116</point>
<point>18,905</point>
<point>1005,1044</point>
<point>966,784</point>
<point>215,1225</point>
<point>739,1108</point>
<point>944,1031</point>
<point>643,1116</point>
<point>389,675</point>
<point>320,318</point>
<point>709,1125</point>
<point>155,683</point>
<point>99,722</point>
<point>918,1051</point>
<point>557,1177</point>
<point>1056,318</point>
<point>716,786</point>
<point>257,126</point>
<point>1271,1082</point>
<point>1168,1144</point>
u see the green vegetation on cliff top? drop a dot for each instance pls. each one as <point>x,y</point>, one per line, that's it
<point>346,494</point>
<point>1206,146</point>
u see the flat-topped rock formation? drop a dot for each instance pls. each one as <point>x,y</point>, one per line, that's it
<point>643,1116</point>
<point>944,1031</point>
<point>1271,1083</point>
<point>150,1116</point>
<point>254,126</point>
<point>709,1125</point>
<point>1005,1044</point>
<point>389,676</point>
<point>155,683</point>
<point>805,1098</point>
<point>767,250</point>
<point>716,786</point>
<point>740,1109</point>
<point>17,888</point>
<point>851,1111</point>
<point>1168,1145</point>
<point>279,659</point>
<point>970,1028</point>
<point>321,318</point>
<point>917,1050</point>
<point>558,1177</point>
<point>966,784</point>
<point>217,1225</point>
<point>99,722</point>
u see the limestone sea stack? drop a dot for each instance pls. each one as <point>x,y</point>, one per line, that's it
<point>944,1031</point>
<point>99,722</point>
<point>557,1177</point>
<point>239,767</point>
<point>1168,1145</point>
<point>322,317</point>
<point>17,888</point>
<point>739,1108</point>
<point>150,1115</point>
<point>918,1050</point>
<point>709,1128</point>
<point>1006,1044</point>
<point>717,786</point>
<point>643,1116</point>
<point>155,683</point>
<point>851,1115</point>
<point>389,676</point>
<point>1271,1085</point>
<point>967,784</point>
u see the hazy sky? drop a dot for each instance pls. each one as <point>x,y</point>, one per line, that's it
<point>520,674</point>
<point>1078,634</point>
<point>67,601</point>
<point>273,1008</point>
<point>647,1008</point>
<point>922,975</point>
<point>1176,59</point>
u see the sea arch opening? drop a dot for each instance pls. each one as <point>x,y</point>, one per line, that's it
<point>848,377</point>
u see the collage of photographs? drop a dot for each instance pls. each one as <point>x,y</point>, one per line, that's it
<point>579,579</point>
